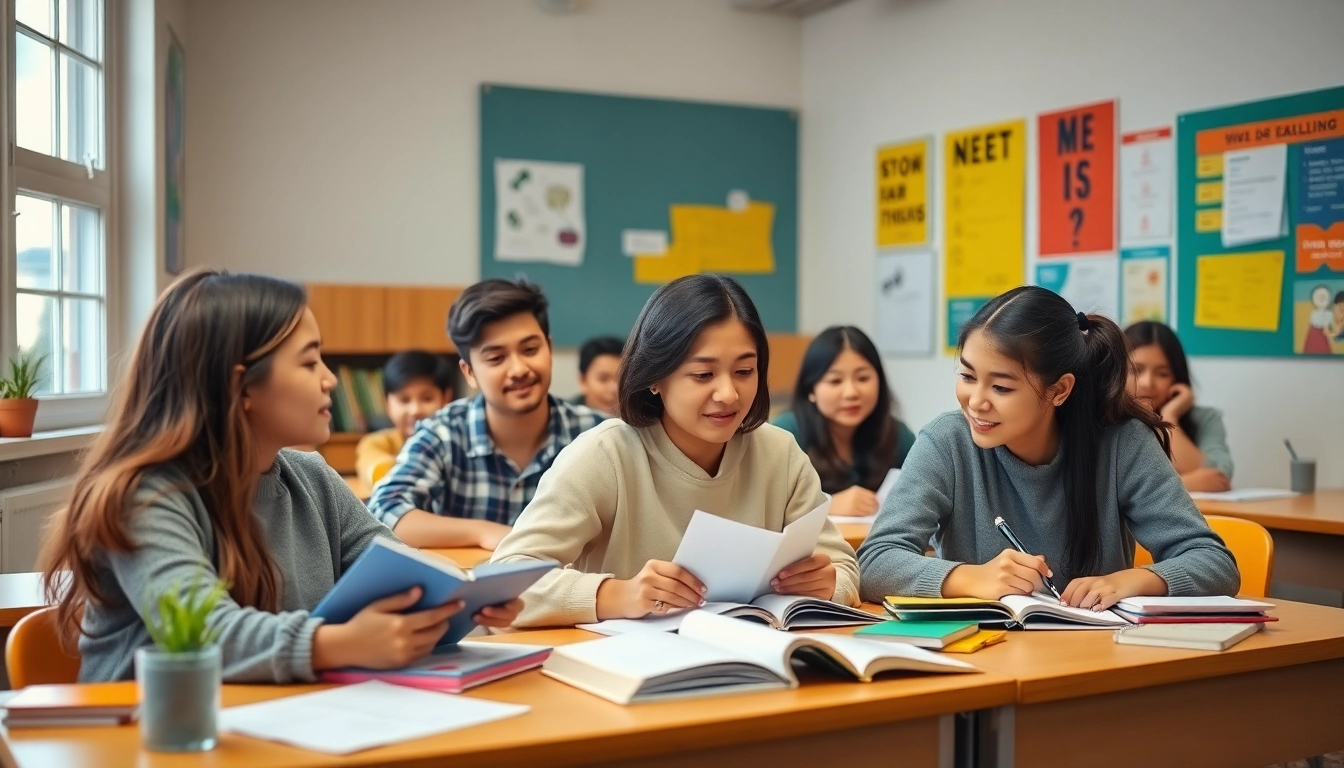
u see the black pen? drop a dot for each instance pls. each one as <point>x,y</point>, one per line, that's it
<point>1008,534</point>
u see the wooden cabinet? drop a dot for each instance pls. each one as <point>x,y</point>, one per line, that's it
<point>378,320</point>
<point>418,317</point>
<point>786,358</point>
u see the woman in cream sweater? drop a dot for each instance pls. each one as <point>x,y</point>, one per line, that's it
<point>692,435</point>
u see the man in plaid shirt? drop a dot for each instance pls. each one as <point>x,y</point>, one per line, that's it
<point>468,471</point>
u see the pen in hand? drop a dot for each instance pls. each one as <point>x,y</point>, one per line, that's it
<point>1012,540</point>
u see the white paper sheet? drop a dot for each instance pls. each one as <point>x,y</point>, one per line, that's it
<point>643,242</point>
<point>1091,284</point>
<point>539,212</point>
<point>906,300</point>
<point>352,718</point>
<point>1146,165</point>
<point>1253,195</point>
<point>736,561</point>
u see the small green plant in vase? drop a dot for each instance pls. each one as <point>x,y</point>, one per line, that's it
<point>18,407</point>
<point>179,676</point>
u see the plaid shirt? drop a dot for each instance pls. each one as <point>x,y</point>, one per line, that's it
<point>451,467</point>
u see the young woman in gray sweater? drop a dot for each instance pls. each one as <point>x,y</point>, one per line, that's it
<point>1049,439</point>
<point>190,479</point>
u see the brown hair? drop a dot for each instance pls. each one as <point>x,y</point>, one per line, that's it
<point>489,301</point>
<point>179,405</point>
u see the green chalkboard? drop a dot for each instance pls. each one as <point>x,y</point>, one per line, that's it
<point>639,157</point>
<point>1191,243</point>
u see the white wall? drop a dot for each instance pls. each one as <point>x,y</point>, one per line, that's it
<point>336,140</point>
<point>875,71</point>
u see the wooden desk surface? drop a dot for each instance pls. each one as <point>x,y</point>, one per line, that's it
<point>1057,665</point>
<point>854,533</point>
<point>1319,512</point>
<point>565,726</point>
<point>20,595</point>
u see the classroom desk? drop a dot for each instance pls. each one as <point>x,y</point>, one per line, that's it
<point>1308,536</point>
<point>20,595</point>
<point>1083,699</point>
<point>854,533</point>
<point>907,715</point>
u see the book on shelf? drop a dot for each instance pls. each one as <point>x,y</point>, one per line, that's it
<point>715,654</point>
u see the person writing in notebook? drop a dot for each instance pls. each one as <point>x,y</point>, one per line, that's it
<point>468,471</point>
<point>842,417</point>
<point>190,480</point>
<point>1159,376</point>
<point>1048,438</point>
<point>692,435</point>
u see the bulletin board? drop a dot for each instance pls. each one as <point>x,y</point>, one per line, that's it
<point>1245,300</point>
<point>648,166</point>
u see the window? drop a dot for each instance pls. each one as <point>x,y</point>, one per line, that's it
<point>60,197</point>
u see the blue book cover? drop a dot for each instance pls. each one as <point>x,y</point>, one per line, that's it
<point>387,567</point>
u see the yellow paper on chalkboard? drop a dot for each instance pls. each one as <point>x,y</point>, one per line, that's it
<point>985,198</point>
<point>724,240</point>
<point>1209,220</point>
<point>673,263</point>
<point>1208,166</point>
<point>1239,291</point>
<point>1208,192</point>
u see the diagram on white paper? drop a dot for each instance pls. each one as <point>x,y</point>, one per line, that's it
<point>539,212</point>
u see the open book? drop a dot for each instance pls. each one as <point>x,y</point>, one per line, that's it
<point>1038,611</point>
<point>714,654</point>
<point>387,567</point>
<point>776,611</point>
<point>736,561</point>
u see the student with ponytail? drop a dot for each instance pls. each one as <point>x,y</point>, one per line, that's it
<point>1048,438</point>
<point>190,480</point>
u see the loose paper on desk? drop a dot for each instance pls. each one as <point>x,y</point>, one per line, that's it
<point>906,298</point>
<point>1239,291</point>
<point>352,718</point>
<point>1146,162</point>
<point>736,561</point>
<point>1254,182</point>
<point>539,212</point>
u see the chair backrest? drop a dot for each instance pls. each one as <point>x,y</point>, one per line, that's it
<point>380,471</point>
<point>33,652</point>
<point>1250,543</point>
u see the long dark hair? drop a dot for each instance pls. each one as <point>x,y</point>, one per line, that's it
<point>1039,330</point>
<point>180,404</point>
<point>875,437</point>
<point>1146,332</point>
<point>668,326</point>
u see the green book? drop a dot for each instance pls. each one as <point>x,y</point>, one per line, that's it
<point>926,634</point>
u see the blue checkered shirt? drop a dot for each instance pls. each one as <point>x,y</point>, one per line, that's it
<point>451,467</point>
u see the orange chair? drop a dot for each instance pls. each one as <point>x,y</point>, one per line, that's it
<point>1250,543</point>
<point>33,652</point>
<point>380,470</point>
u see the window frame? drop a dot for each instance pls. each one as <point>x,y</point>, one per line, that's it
<point>52,177</point>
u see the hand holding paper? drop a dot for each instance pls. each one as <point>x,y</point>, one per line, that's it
<point>737,562</point>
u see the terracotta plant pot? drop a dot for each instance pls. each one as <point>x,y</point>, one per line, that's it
<point>17,416</point>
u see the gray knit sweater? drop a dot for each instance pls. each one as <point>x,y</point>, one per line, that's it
<point>950,491</point>
<point>314,526</point>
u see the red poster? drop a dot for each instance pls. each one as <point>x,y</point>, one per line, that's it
<point>1077,180</point>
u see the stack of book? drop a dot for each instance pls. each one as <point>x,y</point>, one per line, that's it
<point>73,705</point>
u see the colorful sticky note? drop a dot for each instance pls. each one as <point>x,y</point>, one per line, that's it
<point>1207,192</point>
<point>1209,166</point>
<point>1239,291</point>
<point>1209,220</point>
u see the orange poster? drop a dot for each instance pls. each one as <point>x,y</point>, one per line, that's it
<point>1077,180</point>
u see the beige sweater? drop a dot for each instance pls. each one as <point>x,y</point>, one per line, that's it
<point>619,496</point>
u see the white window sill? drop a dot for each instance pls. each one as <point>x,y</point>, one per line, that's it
<point>47,443</point>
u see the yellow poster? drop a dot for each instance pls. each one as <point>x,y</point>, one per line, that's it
<point>709,238</point>
<point>1209,166</point>
<point>1239,291</point>
<point>986,171</point>
<point>902,194</point>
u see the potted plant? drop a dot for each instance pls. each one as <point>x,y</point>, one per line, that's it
<point>179,676</point>
<point>18,407</point>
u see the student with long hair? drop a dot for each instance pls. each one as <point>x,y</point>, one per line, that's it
<point>1159,376</point>
<point>190,480</point>
<point>1048,438</point>
<point>692,435</point>
<point>842,416</point>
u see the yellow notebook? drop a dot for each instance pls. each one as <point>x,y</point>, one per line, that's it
<point>972,643</point>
